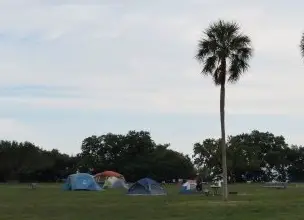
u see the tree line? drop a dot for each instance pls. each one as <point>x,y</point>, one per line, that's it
<point>256,156</point>
<point>135,155</point>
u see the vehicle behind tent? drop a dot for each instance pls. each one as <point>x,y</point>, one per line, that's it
<point>81,181</point>
<point>146,186</point>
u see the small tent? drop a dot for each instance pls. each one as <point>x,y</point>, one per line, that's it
<point>146,186</point>
<point>188,187</point>
<point>81,181</point>
<point>101,177</point>
<point>114,182</point>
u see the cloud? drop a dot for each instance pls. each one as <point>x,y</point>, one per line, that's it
<point>13,129</point>
<point>139,56</point>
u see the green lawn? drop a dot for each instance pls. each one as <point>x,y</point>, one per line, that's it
<point>18,202</point>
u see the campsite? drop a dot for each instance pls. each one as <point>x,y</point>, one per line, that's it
<point>41,184</point>
<point>49,202</point>
<point>107,194</point>
<point>151,110</point>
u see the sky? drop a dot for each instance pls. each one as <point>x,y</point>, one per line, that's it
<point>70,69</point>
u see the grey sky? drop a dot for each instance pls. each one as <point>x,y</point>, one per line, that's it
<point>87,64</point>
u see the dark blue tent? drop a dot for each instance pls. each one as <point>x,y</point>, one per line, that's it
<point>146,186</point>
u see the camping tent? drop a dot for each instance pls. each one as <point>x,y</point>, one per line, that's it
<point>101,177</point>
<point>188,187</point>
<point>81,181</point>
<point>146,186</point>
<point>114,182</point>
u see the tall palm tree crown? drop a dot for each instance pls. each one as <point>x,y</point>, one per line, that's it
<point>302,45</point>
<point>224,42</point>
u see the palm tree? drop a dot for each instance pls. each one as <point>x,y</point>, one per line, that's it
<point>302,45</point>
<point>224,53</point>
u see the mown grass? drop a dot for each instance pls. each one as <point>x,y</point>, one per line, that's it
<point>50,202</point>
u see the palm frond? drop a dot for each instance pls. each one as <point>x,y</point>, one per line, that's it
<point>205,48</point>
<point>240,41</point>
<point>226,31</point>
<point>238,66</point>
<point>244,52</point>
<point>239,62</point>
<point>302,45</point>
<point>209,64</point>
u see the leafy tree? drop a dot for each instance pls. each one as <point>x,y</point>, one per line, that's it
<point>258,156</point>
<point>244,158</point>
<point>207,156</point>
<point>255,156</point>
<point>224,53</point>
<point>295,156</point>
<point>26,162</point>
<point>169,164</point>
<point>135,155</point>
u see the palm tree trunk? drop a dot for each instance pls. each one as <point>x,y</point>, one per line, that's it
<point>223,142</point>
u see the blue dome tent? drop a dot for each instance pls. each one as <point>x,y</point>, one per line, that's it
<point>146,186</point>
<point>81,181</point>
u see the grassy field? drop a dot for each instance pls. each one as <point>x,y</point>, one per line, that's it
<point>47,202</point>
